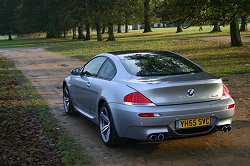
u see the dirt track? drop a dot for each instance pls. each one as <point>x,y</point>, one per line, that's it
<point>46,71</point>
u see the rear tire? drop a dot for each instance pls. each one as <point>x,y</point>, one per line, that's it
<point>68,106</point>
<point>107,129</point>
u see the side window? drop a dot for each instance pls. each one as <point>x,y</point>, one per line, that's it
<point>92,68</point>
<point>107,71</point>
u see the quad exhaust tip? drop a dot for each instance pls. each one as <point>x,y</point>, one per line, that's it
<point>153,137</point>
<point>229,127</point>
<point>156,137</point>
<point>226,128</point>
<point>161,137</point>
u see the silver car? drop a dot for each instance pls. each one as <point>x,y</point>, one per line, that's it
<point>148,95</point>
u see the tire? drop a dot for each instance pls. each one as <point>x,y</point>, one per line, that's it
<point>68,107</point>
<point>107,129</point>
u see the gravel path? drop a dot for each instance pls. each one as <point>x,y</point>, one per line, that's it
<point>46,71</point>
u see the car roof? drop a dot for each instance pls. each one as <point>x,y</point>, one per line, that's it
<point>124,54</point>
<point>120,53</point>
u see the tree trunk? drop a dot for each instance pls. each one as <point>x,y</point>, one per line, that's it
<point>179,27</point>
<point>126,22</point>
<point>74,33</point>
<point>80,33</point>
<point>64,34</point>
<point>57,33</point>
<point>49,35</point>
<point>103,28</point>
<point>10,37</point>
<point>147,27</point>
<point>216,27</point>
<point>126,27</point>
<point>243,26</point>
<point>98,31</point>
<point>235,33</point>
<point>200,28</point>
<point>111,36</point>
<point>88,32</point>
<point>119,30</point>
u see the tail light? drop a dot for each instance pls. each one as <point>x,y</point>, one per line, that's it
<point>230,106</point>
<point>225,93</point>
<point>136,98</point>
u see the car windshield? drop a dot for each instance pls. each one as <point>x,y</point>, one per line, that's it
<point>158,64</point>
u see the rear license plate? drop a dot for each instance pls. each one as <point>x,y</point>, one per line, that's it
<point>189,123</point>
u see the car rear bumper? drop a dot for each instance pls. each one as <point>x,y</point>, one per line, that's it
<point>129,125</point>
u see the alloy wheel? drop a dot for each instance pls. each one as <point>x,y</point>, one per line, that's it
<point>66,100</point>
<point>104,124</point>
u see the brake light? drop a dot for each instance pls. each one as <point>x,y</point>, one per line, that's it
<point>225,93</point>
<point>136,98</point>
<point>230,106</point>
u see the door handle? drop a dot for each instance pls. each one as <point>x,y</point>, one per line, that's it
<point>88,84</point>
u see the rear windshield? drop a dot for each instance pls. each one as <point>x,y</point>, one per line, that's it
<point>158,64</point>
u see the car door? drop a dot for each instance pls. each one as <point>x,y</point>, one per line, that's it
<point>82,84</point>
<point>99,83</point>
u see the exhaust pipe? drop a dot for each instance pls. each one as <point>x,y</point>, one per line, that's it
<point>161,137</point>
<point>226,128</point>
<point>153,137</point>
<point>229,127</point>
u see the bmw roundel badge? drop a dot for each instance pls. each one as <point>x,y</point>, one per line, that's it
<point>190,92</point>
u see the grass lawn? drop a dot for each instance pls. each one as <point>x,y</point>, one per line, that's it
<point>217,57</point>
<point>29,134</point>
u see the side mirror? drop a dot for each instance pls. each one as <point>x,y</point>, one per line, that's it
<point>76,71</point>
<point>86,73</point>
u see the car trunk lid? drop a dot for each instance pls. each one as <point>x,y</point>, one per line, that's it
<point>179,89</point>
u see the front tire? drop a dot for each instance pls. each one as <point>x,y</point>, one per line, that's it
<point>68,107</point>
<point>107,128</point>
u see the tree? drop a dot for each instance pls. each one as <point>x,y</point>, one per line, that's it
<point>245,13</point>
<point>56,17</point>
<point>119,27</point>
<point>197,12</point>
<point>98,31</point>
<point>214,8</point>
<point>80,32</point>
<point>97,17</point>
<point>79,14</point>
<point>243,26</point>
<point>111,36</point>
<point>235,33</point>
<point>178,12</point>
<point>147,27</point>
<point>216,26</point>
<point>111,15</point>
<point>88,31</point>
<point>88,16</point>
<point>74,33</point>
<point>130,12</point>
<point>179,27</point>
<point>230,12</point>
<point>9,16</point>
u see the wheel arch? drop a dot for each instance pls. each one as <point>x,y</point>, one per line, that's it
<point>64,83</point>
<point>100,102</point>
